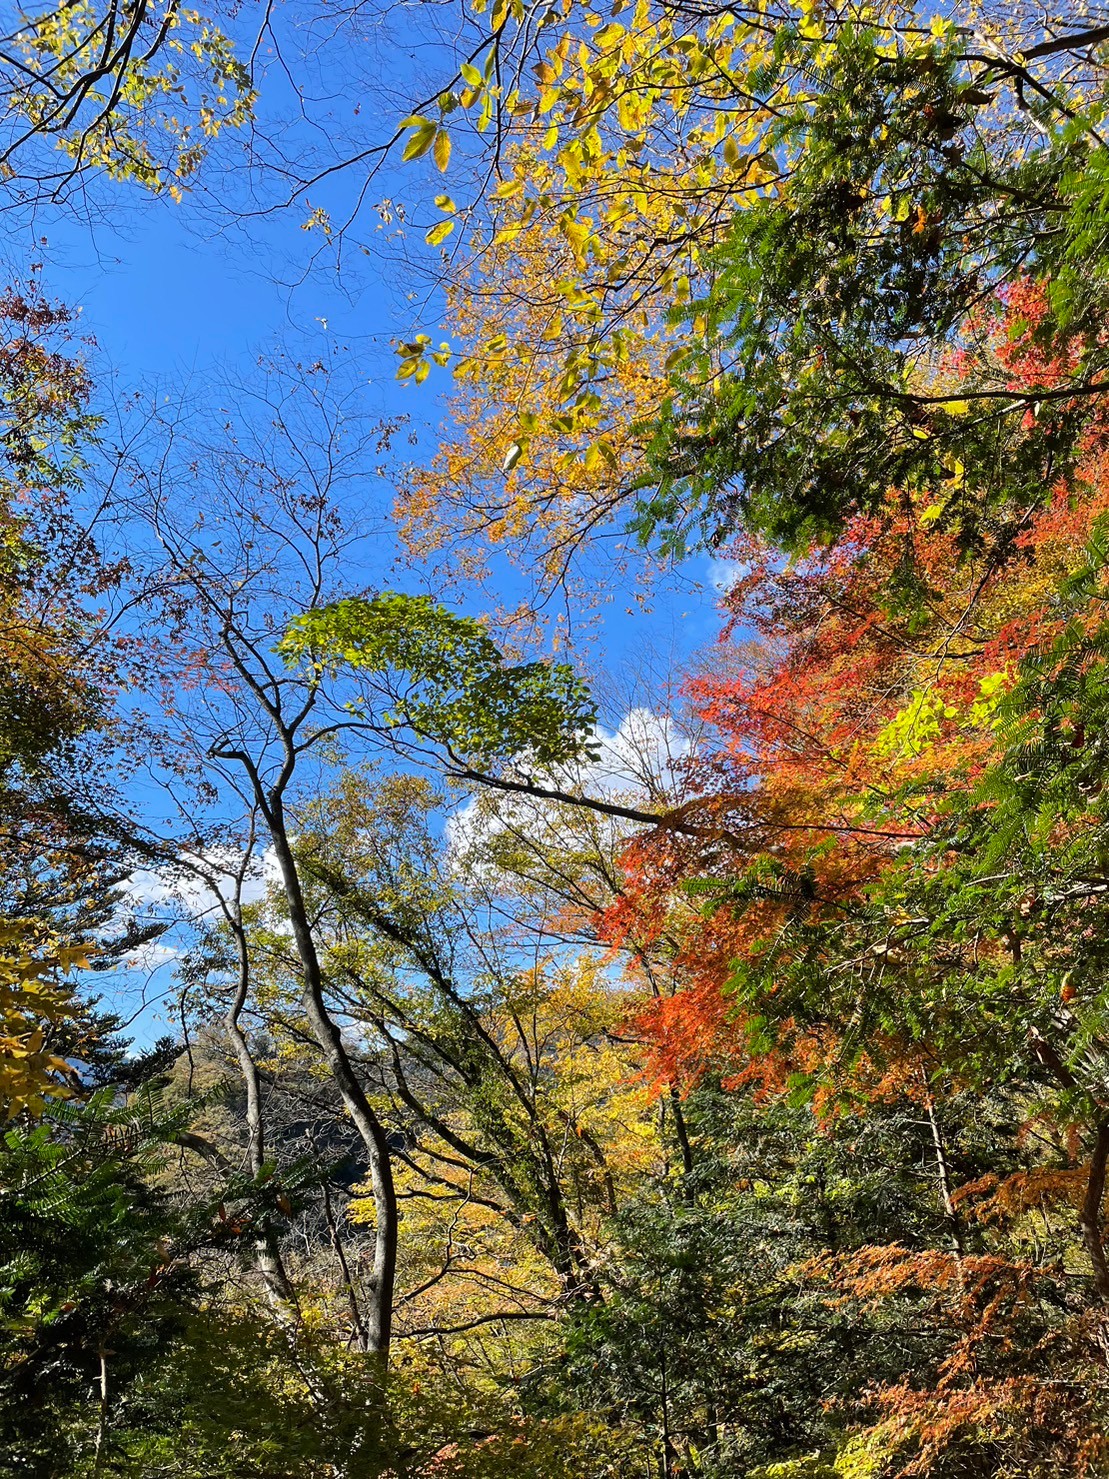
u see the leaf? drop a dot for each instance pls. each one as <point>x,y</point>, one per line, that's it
<point>420,142</point>
<point>439,233</point>
<point>442,150</point>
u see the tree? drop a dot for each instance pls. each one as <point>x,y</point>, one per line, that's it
<point>102,1290</point>
<point>494,1049</point>
<point>686,174</point>
<point>917,308</point>
<point>248,588</point>
<point>885,891</point>
<point>718,1336</point>
<point>133,92</point>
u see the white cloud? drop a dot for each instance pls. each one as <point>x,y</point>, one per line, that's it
<point>151,957</point>
<point>183,891</point>
<point>639,759</point>
<point>641,755</point>
<point>721,574</point>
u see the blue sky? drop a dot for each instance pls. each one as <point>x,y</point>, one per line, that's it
<point>176,300</point>
<point>172,303</point>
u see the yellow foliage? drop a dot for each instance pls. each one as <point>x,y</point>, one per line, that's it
<point>142,108</point>
<point>31,1001</point>
<point>915,727</point>
<point>466,1254</point>
<point>544,437</point>
<point>621,172</point>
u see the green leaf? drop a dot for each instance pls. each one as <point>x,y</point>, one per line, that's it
<point>450,682</point>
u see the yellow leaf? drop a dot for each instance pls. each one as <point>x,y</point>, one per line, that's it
<point>442,150</point>
<point>420,142</point>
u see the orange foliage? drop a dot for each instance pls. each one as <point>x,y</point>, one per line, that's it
<point>854,690</point>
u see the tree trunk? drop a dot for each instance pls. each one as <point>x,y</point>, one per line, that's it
<point>358,1325</point>
<point>379,1317</point>
<point>270,1264</point>
<point>943,1174</point>
<point>1090,1218</point>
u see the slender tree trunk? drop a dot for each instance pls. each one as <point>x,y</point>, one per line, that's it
<point>102,1414</point>
<point>668,1457</point>
<point>344,1268</point>
<point>380,1314</point>
<point>943,1175</point>
<point>359,1325</point>
<point>1090,1217</point>
<point>681,1130</point>
<point>270,1264</point>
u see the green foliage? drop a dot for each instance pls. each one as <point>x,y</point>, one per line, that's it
<point>444,677</point>
<point>815,380</point>
<point>120,1352</point>
<point>91,1260</point>
<point>713,1335</point>
<point>229,1398</point>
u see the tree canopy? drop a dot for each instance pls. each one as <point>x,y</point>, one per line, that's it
<point>713,1082</point>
